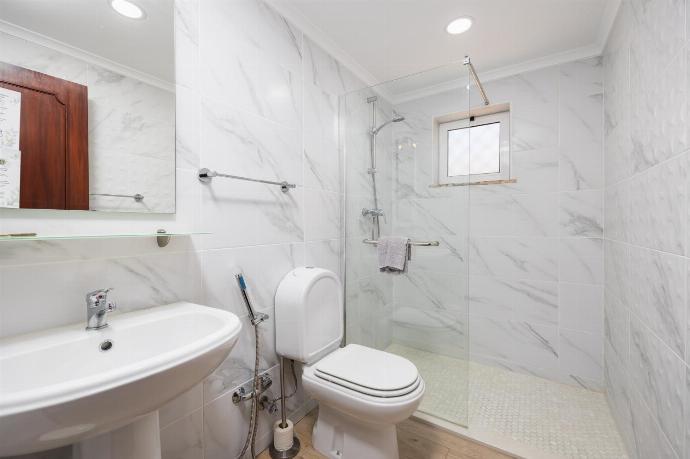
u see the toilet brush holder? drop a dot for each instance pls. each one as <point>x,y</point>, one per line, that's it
<point>283,430</point>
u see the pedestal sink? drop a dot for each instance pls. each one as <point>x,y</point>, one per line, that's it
<point>67,384</point>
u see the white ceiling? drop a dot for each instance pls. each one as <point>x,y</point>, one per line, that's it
<point>93,26</point>
<point>388,39</point>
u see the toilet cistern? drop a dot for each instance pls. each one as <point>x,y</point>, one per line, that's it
<point>97,308</point>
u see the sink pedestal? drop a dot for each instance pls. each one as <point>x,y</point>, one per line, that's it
<point>138,440</point>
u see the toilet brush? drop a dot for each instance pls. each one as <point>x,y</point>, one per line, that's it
<point>285,444</point>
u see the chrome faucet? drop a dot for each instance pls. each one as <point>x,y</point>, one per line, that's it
<point>97,306</point>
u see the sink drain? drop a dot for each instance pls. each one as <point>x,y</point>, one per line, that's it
<point>106,345</point>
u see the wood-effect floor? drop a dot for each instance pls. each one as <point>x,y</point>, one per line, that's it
<point>416,440</point>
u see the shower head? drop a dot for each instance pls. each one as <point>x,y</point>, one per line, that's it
<point>396,119</point>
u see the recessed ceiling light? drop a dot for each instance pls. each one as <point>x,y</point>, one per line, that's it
<point>459,26</point>
<point>127,9</point>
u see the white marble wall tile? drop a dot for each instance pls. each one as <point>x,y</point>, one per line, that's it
<point>520,342</point>
<point>534,109</point>
<point>617,137</point>
<point>687,412</point>
<point>324,254</point>
<point>412,327</point>
<point>234,73</point>
<point>256,213</point>
<point>62,250</point>
<point>321,214</point>
<point>181,406</point>
<point>139,282</point>
<point>666,188</point>
<point>449,256</point>
<point>581,354</point>
<point>650,440</point>
<point>618,389</point>
<point>280,215</point>
<point>184,438</point>
<point>321,153</point>
<point>535,170</point>
<point>616,328</point>
<point>239,143</point>
<point>659,295</point>
<point>225,425</point>
<point>581,214</point>
<point>658,207</point>
<point>238,367</point>
<point>254,28</point>
<point>515,258</point>
<point>431,218</point>
<point>187,43</point>
<point>580,125</point>
<point>617,270</point>
<point>262,278</point>
<point>187,128</point>
<point>581,260</point>
<point>431,290</point>
<point>659,94</point>
<point>325,72</point>
<point>521,300</point>
<point>659,375</point>
<point>581,307</point>
<point>617,216</point>
<point>507,214</point>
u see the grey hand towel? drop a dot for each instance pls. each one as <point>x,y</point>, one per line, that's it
<point>392,254</point>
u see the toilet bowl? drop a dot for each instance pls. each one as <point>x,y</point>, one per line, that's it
<point>362,392</point>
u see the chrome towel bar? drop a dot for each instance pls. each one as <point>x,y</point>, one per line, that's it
<point>415,243</point>
<point>137,197</point>
<point>206,175</point>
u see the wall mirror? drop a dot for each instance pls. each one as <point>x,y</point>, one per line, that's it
<point>87,105</point>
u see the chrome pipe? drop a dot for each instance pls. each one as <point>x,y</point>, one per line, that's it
<point>137,197</point>
<point>473,72</point>
<point>415,243</point>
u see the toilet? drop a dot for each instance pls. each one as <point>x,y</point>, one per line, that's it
<point>362,392</point>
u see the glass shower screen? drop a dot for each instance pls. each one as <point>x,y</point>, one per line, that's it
<point>398,154</point>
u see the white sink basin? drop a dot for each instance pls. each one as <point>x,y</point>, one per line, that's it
<point>58,387</point>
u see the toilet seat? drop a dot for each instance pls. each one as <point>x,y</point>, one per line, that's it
<point>369,371</point>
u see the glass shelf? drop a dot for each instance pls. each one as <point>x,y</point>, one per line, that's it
<point>47,237</point>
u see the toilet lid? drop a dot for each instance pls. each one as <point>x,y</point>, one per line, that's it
<point>370,371</point>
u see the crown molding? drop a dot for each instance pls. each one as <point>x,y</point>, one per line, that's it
<point>86,56</point>
<point>504,72</point>
<point>315,33</point>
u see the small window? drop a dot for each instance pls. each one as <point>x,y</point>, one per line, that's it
<point>474,148</point>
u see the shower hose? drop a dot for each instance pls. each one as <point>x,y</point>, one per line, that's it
<point>251,435</point>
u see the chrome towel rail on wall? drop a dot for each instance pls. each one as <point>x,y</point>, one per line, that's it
<point>415,243</point>
<point>206,176</point>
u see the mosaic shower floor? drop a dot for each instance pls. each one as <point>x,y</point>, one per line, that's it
<point>555,419</point>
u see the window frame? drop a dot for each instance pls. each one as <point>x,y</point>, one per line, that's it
<point>484,115</point>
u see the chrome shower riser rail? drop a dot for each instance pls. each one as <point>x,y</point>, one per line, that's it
<point>206,176</point>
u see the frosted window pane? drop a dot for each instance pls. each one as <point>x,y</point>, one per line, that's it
<point>474,150</point>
